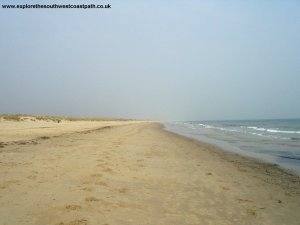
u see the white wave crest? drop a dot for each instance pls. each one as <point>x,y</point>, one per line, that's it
<point>274,130</point>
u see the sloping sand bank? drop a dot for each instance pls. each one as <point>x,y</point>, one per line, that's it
<point>138,173</point>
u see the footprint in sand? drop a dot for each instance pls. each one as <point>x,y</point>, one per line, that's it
<point>23,142</point>
<point>101,183</point>
<point>7,184</point>
<point>75,222</point>
<point>87,189</point>
<point>123,190</point>
<point>44,138</point>
<point>251,212</point>
<point>32,177</point>
<point>244,200</point>
<point>73,207</point>
<point>225,188</point>
<point>108,170</point>
<point>96,175</point>
<point>107,157</point>
<point>92,178</point>
<point>91,199</point>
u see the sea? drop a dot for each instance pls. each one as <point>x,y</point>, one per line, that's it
<point>273,141</point>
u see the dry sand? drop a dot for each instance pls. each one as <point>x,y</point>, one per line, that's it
<point>117,173</point>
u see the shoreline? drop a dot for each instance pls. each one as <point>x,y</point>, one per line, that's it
<point>248,162</point>
<point>256,152</point>
<point>139,173</point>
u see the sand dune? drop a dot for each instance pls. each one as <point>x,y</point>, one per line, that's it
<point>134,173</point>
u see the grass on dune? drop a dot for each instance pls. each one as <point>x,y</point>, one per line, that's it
<point>58,119</point>
<point>11,117</point>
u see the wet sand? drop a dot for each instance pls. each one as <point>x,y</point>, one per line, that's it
<point>135,173</point>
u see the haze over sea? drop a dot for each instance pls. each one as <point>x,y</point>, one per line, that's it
<point>274,141</point>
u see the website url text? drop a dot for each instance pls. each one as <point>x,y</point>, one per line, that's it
<point>57,6</point>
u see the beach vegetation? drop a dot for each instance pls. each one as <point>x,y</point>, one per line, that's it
<point>57,119</point>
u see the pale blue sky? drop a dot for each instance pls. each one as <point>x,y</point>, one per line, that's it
<point>174,60</point>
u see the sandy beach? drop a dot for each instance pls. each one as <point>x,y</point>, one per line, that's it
<point>133,172</point>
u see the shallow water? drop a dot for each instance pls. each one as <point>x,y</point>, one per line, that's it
<point>274,141</point>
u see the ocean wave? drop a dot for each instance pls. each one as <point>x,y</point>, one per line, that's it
<point>226,129</point>
<point>256,134</point>
<point>217,128</point>
<point>274,130</point>
<point>269,136</point>
<point>206,126</point>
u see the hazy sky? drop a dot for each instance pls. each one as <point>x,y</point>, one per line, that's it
<point>175,60</point>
